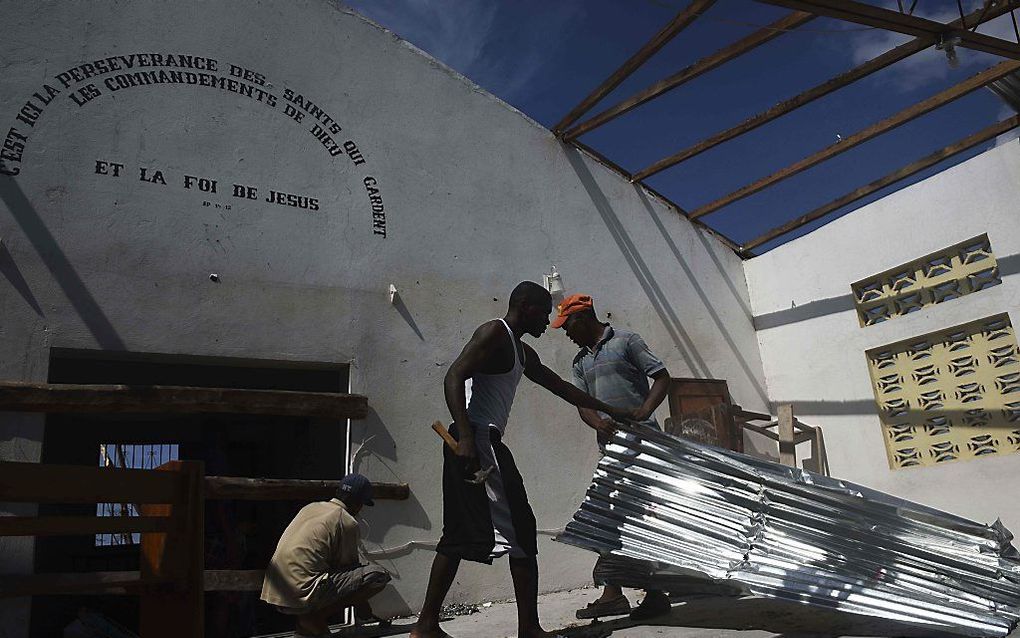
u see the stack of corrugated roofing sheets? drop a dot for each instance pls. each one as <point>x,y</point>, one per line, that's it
<point>784,533</point>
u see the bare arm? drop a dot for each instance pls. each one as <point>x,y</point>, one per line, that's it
<point>535,370</point>
<point>604,427</point>
<point>658,391</point>
<point>590,417</point>
<point>470,361</point>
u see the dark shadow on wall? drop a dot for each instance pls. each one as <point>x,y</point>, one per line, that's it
<point>1009,265</point>
<point>59,265</point>
<point>401,307</point>
<point>741,359</point>
<point>861,407</point>
<point>804,312</point>
<point>710,250</point>
<point>13,274</point>
<point>377,443</point>
<point>660,302</point>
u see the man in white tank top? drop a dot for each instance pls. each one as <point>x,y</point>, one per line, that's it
<point>482,522</point>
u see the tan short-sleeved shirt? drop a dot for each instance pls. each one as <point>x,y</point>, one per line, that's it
<point>322,538</point>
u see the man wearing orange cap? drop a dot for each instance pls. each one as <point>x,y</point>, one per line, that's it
<point>613,366</point>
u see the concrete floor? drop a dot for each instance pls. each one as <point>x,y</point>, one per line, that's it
<point>713,617</point>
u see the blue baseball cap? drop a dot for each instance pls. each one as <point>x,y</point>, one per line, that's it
<point>357,488</point>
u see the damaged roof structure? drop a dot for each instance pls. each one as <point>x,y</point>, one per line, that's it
<point>962,32</point>
<point>257,235</point>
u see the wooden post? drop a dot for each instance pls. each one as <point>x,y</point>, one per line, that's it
<point>787,447</point>
<point>178,556</point>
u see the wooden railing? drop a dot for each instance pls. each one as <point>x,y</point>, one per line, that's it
<point>169,582</point>
<point>172,580</point>
<point>787,431</point>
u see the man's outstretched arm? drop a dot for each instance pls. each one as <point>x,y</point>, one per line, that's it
<point>535,370</point>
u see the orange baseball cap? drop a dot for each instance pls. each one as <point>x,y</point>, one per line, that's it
<point>569,306</point>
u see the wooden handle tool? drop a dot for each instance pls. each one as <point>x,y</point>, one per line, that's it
<point>480,476</point>
<point>446,436</point>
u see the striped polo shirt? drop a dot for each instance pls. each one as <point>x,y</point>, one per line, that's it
<point>616,370</point>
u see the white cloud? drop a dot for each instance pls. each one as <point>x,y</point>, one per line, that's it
<point>468,37</point>
<point>929,65</point>
<point>451,31</point>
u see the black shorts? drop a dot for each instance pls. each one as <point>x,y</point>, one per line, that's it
<point>467,521</point>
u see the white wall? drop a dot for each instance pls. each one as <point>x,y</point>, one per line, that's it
<point>813,346</point>
<point>476,196</point>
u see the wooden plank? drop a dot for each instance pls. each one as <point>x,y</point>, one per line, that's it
<point>261,489</point>
<point>80,525</point>
<point>760,430</point>
<point>787,448</point>
<point>233,579</point>
<point>177,557</point>
<point>752,416</point>
<point>51,398</point>
<point>873,16</point>
<point>702,66</point>
<point>821,90</point>
<point>675,26</point>
<point>105,583</point>
<point>39,483</point>
<point>802,437</point>
<point>906,115</point>
<point>818,452</point>
<point>988,133</point>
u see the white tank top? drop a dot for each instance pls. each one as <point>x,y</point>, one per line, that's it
<point>490,396</point>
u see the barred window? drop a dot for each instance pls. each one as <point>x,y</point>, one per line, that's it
<point>139,457</point>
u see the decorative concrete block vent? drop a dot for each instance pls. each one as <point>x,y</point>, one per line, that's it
<point>951,395</point>
<point>950,273</point>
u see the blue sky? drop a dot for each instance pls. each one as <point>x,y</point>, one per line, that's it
<point>544,56</point>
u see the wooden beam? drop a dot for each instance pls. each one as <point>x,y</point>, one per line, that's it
<point>116,583</point>
<point>787,448</point>
<point>123,583</point>
<point>233,579</point>
<point>760,430</point>
<point>906,115</point>
<point>873,16</point>
<point>51,398</point>
<point>748,415</point>
<point>702,66</point>
<point>680,22</point>
<point>970,141</point>
<point>39,483</point>
<point>178,556</point>
<point>888,58</point>
<point>80,525</point>
<point>260,489</point>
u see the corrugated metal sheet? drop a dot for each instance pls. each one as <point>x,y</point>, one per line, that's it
<point>784,533</point>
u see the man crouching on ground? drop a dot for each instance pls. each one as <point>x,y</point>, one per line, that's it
<point>314,573</point>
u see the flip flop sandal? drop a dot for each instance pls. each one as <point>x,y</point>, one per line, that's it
<point>615,607</point>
